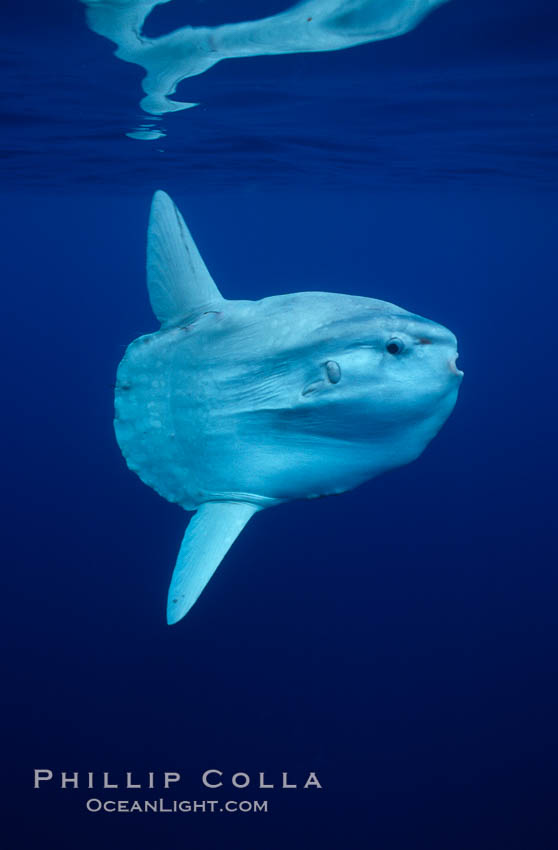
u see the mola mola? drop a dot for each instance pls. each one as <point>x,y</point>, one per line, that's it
<point>307,26</point>
<point>236,406</point>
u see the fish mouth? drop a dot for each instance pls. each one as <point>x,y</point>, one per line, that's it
<point>453,366</point>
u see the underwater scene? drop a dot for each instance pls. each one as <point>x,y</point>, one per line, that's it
<point>280,409</point>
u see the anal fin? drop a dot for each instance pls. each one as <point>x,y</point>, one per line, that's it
<point>209,535</point>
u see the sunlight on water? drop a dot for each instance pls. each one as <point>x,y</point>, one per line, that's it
<point>312,25</point>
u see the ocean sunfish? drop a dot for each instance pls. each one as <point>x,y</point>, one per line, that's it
<point>236,406</point>
<point>307,26</point>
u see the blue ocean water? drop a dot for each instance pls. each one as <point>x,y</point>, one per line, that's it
<point>400,640</point>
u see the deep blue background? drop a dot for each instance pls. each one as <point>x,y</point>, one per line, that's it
<point>401,640</point>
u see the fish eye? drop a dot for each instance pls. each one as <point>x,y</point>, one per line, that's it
<point>333,371</point>
<point>395,346</point>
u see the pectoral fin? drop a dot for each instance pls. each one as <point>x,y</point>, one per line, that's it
<point>210,534</point>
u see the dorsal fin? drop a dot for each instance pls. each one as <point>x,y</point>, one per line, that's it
<point>180,287</point>
<point>209,536</point>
